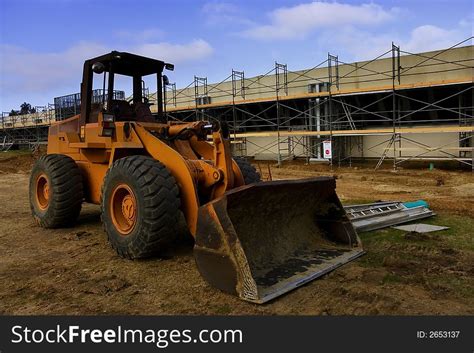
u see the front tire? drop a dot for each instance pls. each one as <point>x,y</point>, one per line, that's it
<point>56,191</point>
<point>248,171</point>
<point>140,206</point>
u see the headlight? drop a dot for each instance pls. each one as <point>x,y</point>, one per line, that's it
<point>108,118</point>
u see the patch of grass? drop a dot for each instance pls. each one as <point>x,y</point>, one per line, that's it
<point>381,235</point>
<point>389,248</point>
<point>431,262</point>
<point>14,153</point>
<point>6,156</point>
<point>373,257</point>
<point>391,278</point>
<point>459,236</point>
<point>462,287</point>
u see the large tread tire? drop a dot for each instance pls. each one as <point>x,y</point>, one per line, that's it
<point>63,180</point>
<point>157,201</point>
<point>249,172</point>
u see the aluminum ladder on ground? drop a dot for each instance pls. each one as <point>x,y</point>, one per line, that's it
<point>382,214</point>
<point>358,212</point>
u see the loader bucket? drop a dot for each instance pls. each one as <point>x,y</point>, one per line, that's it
<point>262,240</point>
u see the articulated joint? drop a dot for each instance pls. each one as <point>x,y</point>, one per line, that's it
<point>204,173</point>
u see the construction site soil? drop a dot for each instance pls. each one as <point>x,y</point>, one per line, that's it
<point>75,271</point>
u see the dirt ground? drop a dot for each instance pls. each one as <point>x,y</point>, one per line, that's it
<point>75,271</point>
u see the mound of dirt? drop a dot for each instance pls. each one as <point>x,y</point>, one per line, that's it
<point>391,189</point>
<point>464,189</point>
<point>20,163</point>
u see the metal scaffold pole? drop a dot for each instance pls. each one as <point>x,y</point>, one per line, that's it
<point>200,98</point>
<point>236,77</point>
<point>280,69</point>
<point>333,81</point>
<point>395,74</point>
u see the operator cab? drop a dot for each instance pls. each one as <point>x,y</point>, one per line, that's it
<point>116,63</point>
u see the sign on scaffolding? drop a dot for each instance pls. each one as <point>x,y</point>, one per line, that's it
<point>327,149</point>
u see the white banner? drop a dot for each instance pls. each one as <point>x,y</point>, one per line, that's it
<point>327,149</point>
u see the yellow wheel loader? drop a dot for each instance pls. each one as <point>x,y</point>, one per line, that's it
<point>253,239</point>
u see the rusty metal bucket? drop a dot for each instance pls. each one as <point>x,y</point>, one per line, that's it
<point>262,240</point>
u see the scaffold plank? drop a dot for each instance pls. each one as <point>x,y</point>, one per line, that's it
<point>378,89</point>
<point>386,131</point>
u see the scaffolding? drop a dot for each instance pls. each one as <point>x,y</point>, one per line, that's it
<point>32,129</point>
<point>347,103</point>
<point>383,109</point>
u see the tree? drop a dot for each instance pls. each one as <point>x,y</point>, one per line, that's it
<point>25,108</point>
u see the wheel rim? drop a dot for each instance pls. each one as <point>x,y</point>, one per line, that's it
<point>42,192</point>
<point>123,209</point>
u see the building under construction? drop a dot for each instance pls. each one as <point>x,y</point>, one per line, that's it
<point>398,107</point>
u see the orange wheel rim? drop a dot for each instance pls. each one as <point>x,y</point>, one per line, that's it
<point>42,191</point>
<point>123,209</point>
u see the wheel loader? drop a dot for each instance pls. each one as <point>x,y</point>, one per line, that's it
<point>253,239</point>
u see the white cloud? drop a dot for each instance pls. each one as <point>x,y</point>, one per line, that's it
<point>300,20</point>
<point>218,13</point>
<point>30,71</point>
<point>363,45</point>
<point>353,44</point>
<point>358,31</point>
<point>141,36</point>
<point>429,37</point>
<point>24,71</point>
<point>219,7</point>
<point>468,23</point>
<point>176,53</point>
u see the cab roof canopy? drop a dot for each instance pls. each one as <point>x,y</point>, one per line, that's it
<point>128,64</point>
<point>120,63</point>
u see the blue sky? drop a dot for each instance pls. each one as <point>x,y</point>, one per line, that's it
<point>43,43</point>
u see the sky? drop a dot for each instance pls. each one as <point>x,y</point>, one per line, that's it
<point>43,43</point>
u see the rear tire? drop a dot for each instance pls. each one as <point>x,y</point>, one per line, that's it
<point>56,191</point>
<point>140,206</point>
<point>249,172</point>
